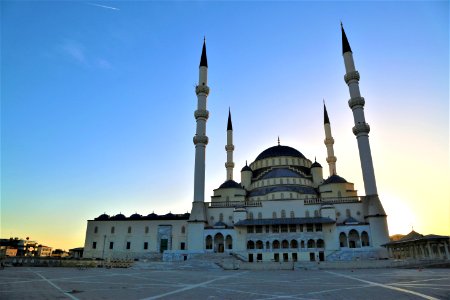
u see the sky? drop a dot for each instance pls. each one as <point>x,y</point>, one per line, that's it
<point>98,100</point>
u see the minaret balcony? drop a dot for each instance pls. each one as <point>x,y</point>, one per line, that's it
<point>202,114</point>
<point>353,75</point>
<point>202,89</point>
<point>356,101</point>
<point>229,147</point>
<point>200,139</point>
<point>229,165</point>
<point>361,128</point>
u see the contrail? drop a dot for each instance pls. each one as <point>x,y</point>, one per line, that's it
<point>104,6</point>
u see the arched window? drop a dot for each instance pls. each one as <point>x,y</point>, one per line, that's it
<point>353,239</point>
<point>183,230</point>
<point>250,216</point>
<point>112,229</point>
<point>311,244</point>
<point>343,240</point>
<point>320,243</point>
<point>276,244</point>
<point>259,215</point>
<point>274,215</point>
<point>348,213</point>
<point>365,239</point>
<point>339,194</point>
<point>221,217</point>
<point>285,244</point>
<point>208,242</point>
<point>306,213</point>
<point>259,245</point>
<point>292,214</point>
<point>146,229</point>
<point>283,213</point>
<point>95,229</point>
<point>129,229</point>
<point>229,242</point>
<point>294,244</point>
<point>250,245</point>
<point>316,213</point>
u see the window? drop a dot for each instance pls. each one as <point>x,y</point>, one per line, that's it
<point>275,244</point>
<point>267,228</point>
<point>309,227</point>
<point>183,230</point>
<point>316,213</point>
<point>94,245</point>
<point>258,229</point>
<point>249,229</point>
<point>129,229</point>
<point>221,217</point>
<point>259,215</point>
<point>301,227</point>
<point>307,214</point>
<point>111,244</point>
<point>250,216</point>
<point>112,229</point>
<point>250,245</point>
<point>284,228</point>
<point>128,245</point>
<point>146,229</point>
<point>318,227</point>
<point>292,212</point>
<point>145,245</point>
<point>95,229</point>
<point>182,246</point>
<point>283,213</point>
<point>285,244</point>
<point>292,228</point>
<point>348,213</point>
<point>276,257</point>
<point>275,228</point>
<point>274,215</point>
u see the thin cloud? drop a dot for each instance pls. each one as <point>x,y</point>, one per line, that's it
<point>74,50</point>
<point>103,6</point>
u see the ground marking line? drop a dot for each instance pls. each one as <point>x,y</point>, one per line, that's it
<point>385,286</point>
<point>193,286</point>
<point>272,296</point>
<point>56,287</point>
<point>341,289</point>
<point>419,284</point>
<point>424,280</point>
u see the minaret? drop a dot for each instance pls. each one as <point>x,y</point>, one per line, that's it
<point>229,147</point>
<point>374,212</point>
<point>361,128</point>
<point>200,140</point>
<point>329,141</point>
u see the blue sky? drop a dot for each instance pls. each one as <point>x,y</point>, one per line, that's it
<point>97,102</point>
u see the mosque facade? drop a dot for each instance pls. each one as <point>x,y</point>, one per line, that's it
<point>283,208</point>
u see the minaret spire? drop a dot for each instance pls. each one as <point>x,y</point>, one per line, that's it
<point>329,142</point>
<point>345,43</point>
<point>229,147</point>
<point>200,140</point>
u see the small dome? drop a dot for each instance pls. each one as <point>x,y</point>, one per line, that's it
<point>230,184</point>
<point>135,216</point>
<point>152,216</point>
<point>334,179</point>
<point>279,150</point>
<point>246,168</point>
<point>118,217</point>
<point>102,217</point>
<point>316,165</point>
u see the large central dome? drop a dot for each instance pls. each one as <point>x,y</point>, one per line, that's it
<point>279,150</point>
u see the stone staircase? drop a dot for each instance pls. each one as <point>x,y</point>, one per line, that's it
<point>352,254</point>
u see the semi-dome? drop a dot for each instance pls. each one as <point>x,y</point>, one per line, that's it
<point>279,150</point>
<point>230,184</point>
<point>335,179</point>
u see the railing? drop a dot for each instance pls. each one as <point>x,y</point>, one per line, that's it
<point>234,204</point>
<point>333,200</point>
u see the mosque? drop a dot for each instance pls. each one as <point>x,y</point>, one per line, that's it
<point>283,209</point>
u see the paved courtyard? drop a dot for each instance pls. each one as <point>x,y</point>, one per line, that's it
<point>70,283</point>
